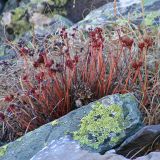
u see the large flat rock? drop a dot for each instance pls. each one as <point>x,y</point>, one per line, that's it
<point>96,127</point>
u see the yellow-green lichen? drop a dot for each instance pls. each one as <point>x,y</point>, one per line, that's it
<point>60,3</point>
<point>100,124</point>
<point>57,3</point>
<point>54,123</point>
<point>3,150</point>
<point>19,139</point>
<point>19,22</point>
<point>18,13</point>
<point>150,17</point>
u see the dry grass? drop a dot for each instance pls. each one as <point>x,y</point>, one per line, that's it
<point>85,68</point>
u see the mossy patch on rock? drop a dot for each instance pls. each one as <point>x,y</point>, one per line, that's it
<point>3,150</point>
<point>150,18</point>
<point>19,22</point>
<point>41,1</point>
<point>54,123</point>
<point>56,3</point>
<point>101,124</point>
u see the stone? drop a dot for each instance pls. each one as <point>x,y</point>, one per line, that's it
<point>66,147</point>
<point>96,127</point>
<point>150,156</point>
<point>2,4</point>
<point>144,137</point>
<point>44,25</point>
<point>104,16</point>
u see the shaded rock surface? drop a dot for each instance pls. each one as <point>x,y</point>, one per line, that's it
<point>104,16</point>
<point>67,149</point>
<point>150,156</point>
<point>73,10</point>
<point>97,127</point>
<point>2,4</point>
<point>148,135</point>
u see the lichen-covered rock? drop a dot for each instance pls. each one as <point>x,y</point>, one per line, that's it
<point>97,127</point>
<point>3,150</point>
<point>44,25</point>
<point>105,16</point>
<point>101,124</point>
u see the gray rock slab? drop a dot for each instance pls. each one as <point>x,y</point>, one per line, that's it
<point>144,137</point>
<point>97,127</point>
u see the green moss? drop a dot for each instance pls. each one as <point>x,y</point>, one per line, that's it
<point>18,13</point>
<point>57,3</point>
<point>3,150</point>
<point>60,3</point>
<point>149,19</point>
<point>41,1</point>
<point>149,2</point>
<point>54,123</point>
<point>100,124</point>
<point>19,139</point>
<point>19,22</point>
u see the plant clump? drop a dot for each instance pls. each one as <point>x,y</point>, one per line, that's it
<point>65,71</point>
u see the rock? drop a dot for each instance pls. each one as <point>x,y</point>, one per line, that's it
<point>17,26</point>
<point>97,127</point>
<point>79,10</point>
<point>48,26</point>
<point>2,4</point>
<point>66,147</point>
<point>13,4</point>
<point>104,16</point>
<point>144,137</point>
<point>151,156</point>
<point>20,12</point>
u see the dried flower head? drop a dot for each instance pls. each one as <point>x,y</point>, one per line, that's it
<point>2,117</point>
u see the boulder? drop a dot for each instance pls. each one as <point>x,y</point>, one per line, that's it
<point>150,156</point>
<point>147,136</point>
<point>96,127</point>
<point>66,147</point>
<point>2,4</point>
<point>104,16</point>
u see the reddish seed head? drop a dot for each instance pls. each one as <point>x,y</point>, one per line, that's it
<point>141,45</point>
<point>33,91</point>
<point>148,41</point>
<point>11,108</point>
<point>36,64</point>
<point>2,117</point>
<point>24,51</point>
<point>63,29</point>
<point>9,98</point>
<point>25,78</point>
<point>98,30</point>
<point>59,67</point>
<point>140,63</point>
<point>39,77</point>
<point>135,65</point>
<point>40,59</point>
<point>49,63</point>
<point>70,64</point>
<point>127,42</point>
<point>76,58</point>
